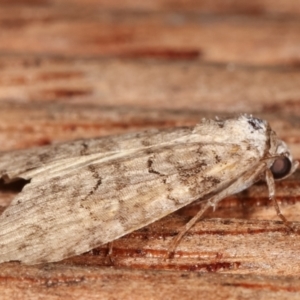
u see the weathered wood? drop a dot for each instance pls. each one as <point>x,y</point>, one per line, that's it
<point>156,84</point>
<point>91,32</point>
<point>255,7</point>
<point>73,282</point>
<point>57,83</point>
<point>254,243</point>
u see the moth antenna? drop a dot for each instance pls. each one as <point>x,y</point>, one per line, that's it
<point>271,187</point>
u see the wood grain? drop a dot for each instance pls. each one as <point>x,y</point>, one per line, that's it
<point>243,236</point>
<point>73,282</point>
<point>155,84</point>
<point>88,31</point>
<point>76,69</point>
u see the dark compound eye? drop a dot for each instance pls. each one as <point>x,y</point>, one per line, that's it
<point>281,167</point>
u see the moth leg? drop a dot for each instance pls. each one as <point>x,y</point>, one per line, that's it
<point>214,200</point>
<point>211,202</point>
<point>109,252</point>
<point>110,248</point>
<point>271,187</point>
<point>186,228</point>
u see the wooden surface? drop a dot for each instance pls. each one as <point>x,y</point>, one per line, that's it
<point>76,69</point>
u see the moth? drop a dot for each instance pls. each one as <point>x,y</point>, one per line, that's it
<point>86,193</point>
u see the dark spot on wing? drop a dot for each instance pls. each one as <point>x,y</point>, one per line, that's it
<point>213,180</point>
<point>44,156</point>
<point>255,123</point>
<point>220,123</point>
<point>217,158</point>
<point>98,181</point>
<point>84,149</point>
<point>150,166</point>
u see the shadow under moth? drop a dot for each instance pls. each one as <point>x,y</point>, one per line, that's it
<point>86,193</point>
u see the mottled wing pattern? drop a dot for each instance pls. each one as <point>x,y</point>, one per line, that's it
<point>61,214</point>
<point>29,163</point>
<point>85,193</point>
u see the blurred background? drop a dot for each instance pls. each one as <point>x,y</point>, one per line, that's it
<point>73,69</point>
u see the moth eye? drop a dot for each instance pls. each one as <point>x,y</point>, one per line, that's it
<point>281,167</point>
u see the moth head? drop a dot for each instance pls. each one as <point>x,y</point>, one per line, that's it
<point>283,165</point>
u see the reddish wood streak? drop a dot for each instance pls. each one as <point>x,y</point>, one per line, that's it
<point>163,53</point>
<point>65,93</point>
<point>45,76</point>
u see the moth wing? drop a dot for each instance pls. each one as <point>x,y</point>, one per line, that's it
<point>30,163</point>
<point>61,216</point>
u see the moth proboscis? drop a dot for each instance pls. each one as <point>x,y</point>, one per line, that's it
<point>86,193</point>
